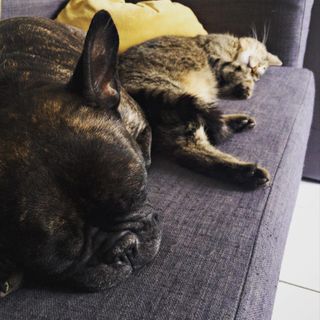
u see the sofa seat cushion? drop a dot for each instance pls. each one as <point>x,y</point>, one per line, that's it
<point>222,247</point>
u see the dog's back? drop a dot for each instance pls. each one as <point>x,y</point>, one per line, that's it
<point>37,49</point>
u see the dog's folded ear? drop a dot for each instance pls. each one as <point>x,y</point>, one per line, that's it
<point>95,76</point>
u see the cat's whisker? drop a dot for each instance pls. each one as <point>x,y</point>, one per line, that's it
<point>266,30</point>
<point>254,32</point>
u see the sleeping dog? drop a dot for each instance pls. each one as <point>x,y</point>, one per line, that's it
<point>74,153</point>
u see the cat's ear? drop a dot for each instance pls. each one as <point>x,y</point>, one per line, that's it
<point>95,77</point>
<point>274,60</point>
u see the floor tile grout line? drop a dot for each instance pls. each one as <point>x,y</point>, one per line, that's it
<point>298,286</point>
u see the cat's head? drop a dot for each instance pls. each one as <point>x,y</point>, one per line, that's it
<point>255,55</point>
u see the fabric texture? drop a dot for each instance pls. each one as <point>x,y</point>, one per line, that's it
<point>222,247</point>
<point>136,23</point>
<point>312,62</point>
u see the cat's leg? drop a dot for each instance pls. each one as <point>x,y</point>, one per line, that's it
<point>199,155</point>
<point>239,122</point>
<point>220,127</point>
<point>234,80</point>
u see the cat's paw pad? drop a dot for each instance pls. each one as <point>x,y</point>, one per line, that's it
<point>254,176</point>
<point>244,90</point>
<point>241,122</point>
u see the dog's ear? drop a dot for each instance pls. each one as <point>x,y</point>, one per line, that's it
<point>95,77</point>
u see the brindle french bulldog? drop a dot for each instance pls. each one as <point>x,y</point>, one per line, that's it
<point>74,152</point>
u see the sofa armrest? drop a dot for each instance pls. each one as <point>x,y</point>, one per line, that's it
<point>288,21</point>
<point>312,62</point>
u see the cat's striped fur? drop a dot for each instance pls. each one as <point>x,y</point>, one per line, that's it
<point>177,81</point>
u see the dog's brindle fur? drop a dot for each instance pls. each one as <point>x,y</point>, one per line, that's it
<point>72,159</point>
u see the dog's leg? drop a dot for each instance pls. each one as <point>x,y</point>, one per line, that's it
<point>199,155</point>
<point>10,276</point>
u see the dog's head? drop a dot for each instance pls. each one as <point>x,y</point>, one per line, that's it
<point>70,158</point>
<point>115,197</point>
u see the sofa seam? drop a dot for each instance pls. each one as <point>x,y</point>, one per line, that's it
<point>267,200</point>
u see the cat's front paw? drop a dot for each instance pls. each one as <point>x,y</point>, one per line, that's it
<point>244,90</point>
<point>253,176</point>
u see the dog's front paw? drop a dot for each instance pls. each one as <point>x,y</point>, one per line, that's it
<point>11,284</point>
<point>4,289</point>
<point>253,176</point>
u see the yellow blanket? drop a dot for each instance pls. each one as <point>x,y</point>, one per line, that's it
<point>136,23</point>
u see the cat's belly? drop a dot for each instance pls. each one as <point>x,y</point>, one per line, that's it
<point>200,83</point>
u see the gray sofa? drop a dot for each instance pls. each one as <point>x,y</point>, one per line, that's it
<point>222,247</point>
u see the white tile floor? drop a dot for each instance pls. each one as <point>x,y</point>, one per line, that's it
<point>298,295</point>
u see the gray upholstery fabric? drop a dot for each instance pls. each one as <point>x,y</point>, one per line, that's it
<point>312,61</point>
<point>42,8</point>
<point>222,247</point>
<point>288,21</point>
<point>267,255</point>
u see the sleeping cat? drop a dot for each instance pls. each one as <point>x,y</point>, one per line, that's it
<point>177,81</point>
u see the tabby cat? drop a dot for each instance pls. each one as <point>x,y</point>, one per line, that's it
<point>177,81</point>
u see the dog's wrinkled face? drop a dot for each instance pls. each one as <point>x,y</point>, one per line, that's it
<point>118,204</point>
<point>87,218</point>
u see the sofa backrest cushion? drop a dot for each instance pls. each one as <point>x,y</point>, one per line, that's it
<point>288,20</point>
<point>41,8</point>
